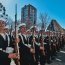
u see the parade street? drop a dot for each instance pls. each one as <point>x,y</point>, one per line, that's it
<point>32,32</point>
<point>60,59</point>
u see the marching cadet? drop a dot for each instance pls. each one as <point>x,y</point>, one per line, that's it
<point>48,54</point>
<point>24,47</point>
<point>63,41</point>
<point>54,45</point>
<point>9,40</point>
<point>42,49</point>
<point>5,56</point>
<point>62,45</point>
<point>8,36</point>
<point>33,40</point>
<point>60,41</point>
<point>52,48</point>
<point>57,43</point>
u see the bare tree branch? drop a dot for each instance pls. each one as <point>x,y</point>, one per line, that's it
<point>44,18</point>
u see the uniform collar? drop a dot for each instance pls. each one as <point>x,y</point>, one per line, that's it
<point>3,35</point>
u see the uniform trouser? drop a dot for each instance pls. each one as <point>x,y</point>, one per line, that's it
<point>48,55</point>
<point>33,62</point>
<point>24,62</point>
<point>54,49</point>
<point>42,59</point>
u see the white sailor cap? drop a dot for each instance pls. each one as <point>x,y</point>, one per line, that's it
<point>28,30</point>
<point>7,27</point>
<point>33,27</point>
<point>22,24</point>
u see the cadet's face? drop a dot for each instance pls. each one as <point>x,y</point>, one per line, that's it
<point>6,30</point>
<point>2,25</point>
<point>23,29</point>
<point>34,31</point>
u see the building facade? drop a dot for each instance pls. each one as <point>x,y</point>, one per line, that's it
<point>29,14</point>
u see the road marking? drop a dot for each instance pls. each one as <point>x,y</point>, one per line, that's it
<point>62,51</point>
<point>58,59</point>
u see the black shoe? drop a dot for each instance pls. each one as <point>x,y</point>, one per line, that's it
<point>49,62</point>
<point>52,58</point>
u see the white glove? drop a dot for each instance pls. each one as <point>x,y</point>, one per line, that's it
<point>12,62</point>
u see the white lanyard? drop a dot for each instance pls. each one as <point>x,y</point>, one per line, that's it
<point>3,35</point>
<point>8,40</point>
<point>21,38</point>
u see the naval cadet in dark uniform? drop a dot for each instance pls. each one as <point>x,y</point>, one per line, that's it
<point>5,57</point>
<point>42,49</point>
<point>48,53</point>
<point>9,40</point>
<point>33,40</point>
<point>9,37</point>
<point>24,47</point>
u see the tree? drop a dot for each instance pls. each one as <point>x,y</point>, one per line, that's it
<point>44,18</point>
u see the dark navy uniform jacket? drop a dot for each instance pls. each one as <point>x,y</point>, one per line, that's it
<point>24,51</point>
<point>37,50</point>
<point>4,60</point>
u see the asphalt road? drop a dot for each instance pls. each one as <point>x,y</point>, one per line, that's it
<point>60,59</point>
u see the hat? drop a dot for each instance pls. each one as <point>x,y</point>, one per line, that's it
<point>22,24</point>
<point>28,30</point>
<point>7,27</point>
<point>33,27</point>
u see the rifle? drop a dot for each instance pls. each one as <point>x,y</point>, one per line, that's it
<point>33,45</point>
<point>16,36</point>
<point>11,29</point>
<point>50,39</point>
<point>41,43</point>
<point>41,39</point>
